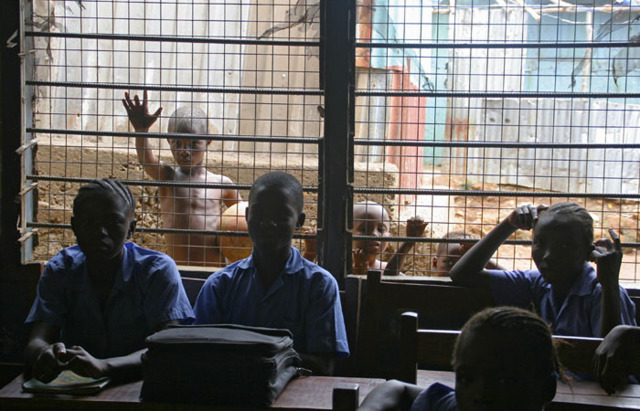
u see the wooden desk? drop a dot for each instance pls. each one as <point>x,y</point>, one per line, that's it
<point>302,393</point>
<point>580,395</point>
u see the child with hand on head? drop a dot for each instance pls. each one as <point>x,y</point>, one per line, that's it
<point>504,360</point>
<point>447,254</point>
<point>565,289</point>
<point>371,219</point>
<point>275,287</point>
<point>188,208</point>
<point>618,357</point>
<point>97,301</point>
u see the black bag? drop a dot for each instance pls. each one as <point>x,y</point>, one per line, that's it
<point>218,364</point>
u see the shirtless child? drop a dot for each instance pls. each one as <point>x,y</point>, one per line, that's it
<point>192,208</point>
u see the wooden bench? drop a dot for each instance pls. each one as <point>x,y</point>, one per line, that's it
<point>441,306</point>
<point>433,349</point>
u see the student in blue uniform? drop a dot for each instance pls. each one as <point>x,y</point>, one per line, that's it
<point>97,301</point>
<point>565,289</point>
<point>275,287</point>
<point>504,360</point>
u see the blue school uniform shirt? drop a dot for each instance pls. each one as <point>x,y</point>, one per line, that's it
<point>436,397</point>
<point>579,314</point>
<point>303,299</point>
<point>147,291</point>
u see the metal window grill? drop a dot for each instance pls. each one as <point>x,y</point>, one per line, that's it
<point>461,110</point>
<point>250,69</point>
<point>472,108</point>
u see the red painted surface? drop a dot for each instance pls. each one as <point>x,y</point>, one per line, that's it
<point>407,122</point>
<point>407,114</point>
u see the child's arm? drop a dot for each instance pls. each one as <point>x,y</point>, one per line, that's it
<point>617,357</point>
<point>43,356</point>
<point>415,228</point>
<point>48,359</point>
<point>470,269</point>
<point>608,257</point>
<point>360,263</point>
<point>392,395</point>
<point>230,196</point>
<point>141,121</point>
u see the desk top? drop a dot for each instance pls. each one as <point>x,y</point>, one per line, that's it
<point>302,393</point>
<point>578,395</point>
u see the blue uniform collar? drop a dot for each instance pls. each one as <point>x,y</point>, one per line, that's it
<point>293,265</point>
<point>123,276</point>
<point>584,283</point>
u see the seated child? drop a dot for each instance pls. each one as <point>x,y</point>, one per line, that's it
<point>187,208</point>
<point>275,287</point>
<point>618,357</point>
<point>504,359</point>
<point>97,301</point>
<point>371,219</point>
<point>565,289</point>
<point>447,254</point>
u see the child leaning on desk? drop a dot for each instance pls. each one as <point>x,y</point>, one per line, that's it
<point>565,289</point>
<point>504,360</point>
<point>97,301</point>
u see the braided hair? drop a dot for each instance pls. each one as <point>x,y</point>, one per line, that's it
<point>531,334</point>
<point>579,213</point>
<point>109,185</point>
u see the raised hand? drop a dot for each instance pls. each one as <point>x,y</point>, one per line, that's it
<point>525,216</point>
<point>51,360</point>
<point>607,255</point>
<point>83,363</point>
<point>138,112</point>
<point>617,357</point>
<point>415,226</point>
<point>360,264</point>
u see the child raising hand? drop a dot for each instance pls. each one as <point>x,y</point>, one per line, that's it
<point>184,207</point>
<point>371,219</point>
<point>565,289</point>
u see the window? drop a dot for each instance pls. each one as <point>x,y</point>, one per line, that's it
<point>457,111</point>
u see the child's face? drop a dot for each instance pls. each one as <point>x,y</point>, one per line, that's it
<point>559,247</point>
<point>492,374</point>
<point>442,263</point>
<point>101,224</point>
<point>373,220</point>
<point>188,153</point>
<point>272,218</point>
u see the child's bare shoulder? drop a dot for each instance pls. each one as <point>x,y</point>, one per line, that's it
<point>217,178</point>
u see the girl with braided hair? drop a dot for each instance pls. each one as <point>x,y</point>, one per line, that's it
<point>97,301</point>
<point>504,360</point>
<point>565,289</point>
